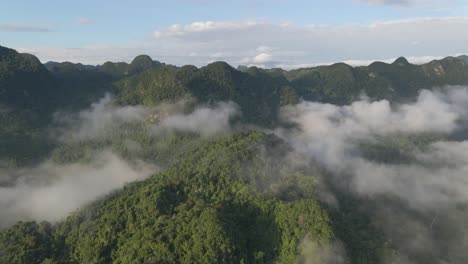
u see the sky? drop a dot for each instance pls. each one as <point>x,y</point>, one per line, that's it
<point>265,33</point>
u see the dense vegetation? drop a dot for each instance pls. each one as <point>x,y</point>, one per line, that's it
<point>30,92</point>
<point>204,209</point>
<point>258,94</point>
<point>219,199</point>
<point>27,98</point>
<point>341,83</point>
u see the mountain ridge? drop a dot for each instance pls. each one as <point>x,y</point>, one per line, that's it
<point>215,164</point>
<point>26,84</point>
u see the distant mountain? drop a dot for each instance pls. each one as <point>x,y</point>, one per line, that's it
<point>24,81</point>
<point>140,64</point>
<point>236,196</point>
<point>338,83</point>
<point>258,93</point>
<point>33,91</point>
<point>261,92</point>
<point>83,84</point>
<point>464,58</point>
<point>27,98</point>
<point>341,83</point>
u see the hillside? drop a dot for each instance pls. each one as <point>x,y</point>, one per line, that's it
<point>341,83</point>
<point>202,210</point>
<point>145,162</point>
<point>464,58</point>
<point>27,98</point>
<point>81,85</point>
<point>260,92</point>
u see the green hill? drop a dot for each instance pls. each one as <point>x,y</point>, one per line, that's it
<point>258,94</point>
<point>341,83</point>
<point>81,85</point>
<point>261,92</point>
<point>202,210</point>
<point>236,197</point>
<point>30,92</point>
<point>24,82</point>
<point>27,98</point>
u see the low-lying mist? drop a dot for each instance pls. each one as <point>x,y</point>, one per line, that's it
<point>401,159</point>
<point>51,191</point>
<point>86,166</point>
<point>104,116</point>
<point>333,135</point>
<point>406,162</point>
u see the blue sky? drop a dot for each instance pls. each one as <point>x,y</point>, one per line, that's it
<point>60,30</point>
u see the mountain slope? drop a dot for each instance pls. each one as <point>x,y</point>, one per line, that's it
<point>223,197</point>
<point>202,210</point>
<point>464,58</point>
<point>341,84</point>
<point>260,92</point>
<point>25,82</point>
<point>27,98</point>
<point>81,85</point>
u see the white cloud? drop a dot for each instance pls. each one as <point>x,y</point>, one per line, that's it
<point>57,190</point>
<point>332,135</point>
<point>389,2</point>
<point>84,21</point>
<point>103,117</point>
<point>422,185</point>
<point>221,55</point>
<point>22,28</point>
<point>412,200</point>
<point>294,45</point>
<point>432,112</point>
<point>50,191</point>
<point>204,120</point>
<point>262,58</point>
<point>100,118</point>
<point>264,49</point>
<point>410,3</point>
<point>178,30</point>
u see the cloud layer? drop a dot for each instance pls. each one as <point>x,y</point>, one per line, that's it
<point>263,43</point>
<point>333,134</point>
<point>206,121</point>
<point>51,191</point>
<point>103,117</point>
<point>418,203</point>
<point>84,21</point>
<point>389,2</point>
<point>22,28</point>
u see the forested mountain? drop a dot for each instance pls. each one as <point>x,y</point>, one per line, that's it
<point>27,98</point>
<point>464,58</point>
<point>30,93</point>
<point>145,162</point>
<point>200,210</point>
<point>81,85</point>
<point>341,83</point>
<point>261,92</point>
